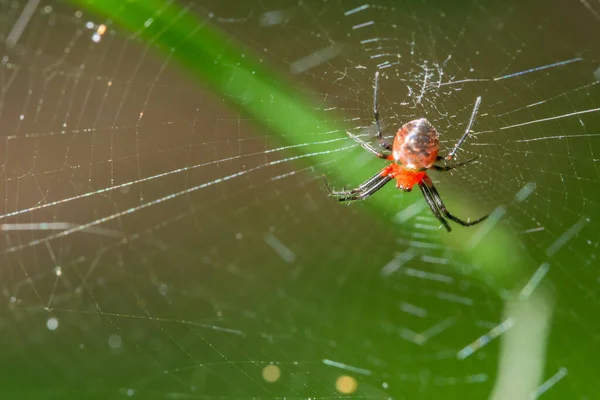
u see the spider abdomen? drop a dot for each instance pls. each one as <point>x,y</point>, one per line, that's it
<point>416,145</point>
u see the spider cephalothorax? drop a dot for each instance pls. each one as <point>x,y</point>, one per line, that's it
<point>414,151</point>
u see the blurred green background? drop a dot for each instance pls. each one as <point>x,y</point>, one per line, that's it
<point>167,234</point>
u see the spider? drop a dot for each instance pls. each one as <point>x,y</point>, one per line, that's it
<point>414,151</point>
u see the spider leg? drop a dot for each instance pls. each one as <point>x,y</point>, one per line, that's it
<point>432,206</point>
<point>385,145</point>
<point>467,131</point>
<point>365,190</point>
<point>369,148</point>
<point>449,167</point>
<point>440,204</point>
<point>365,184</point>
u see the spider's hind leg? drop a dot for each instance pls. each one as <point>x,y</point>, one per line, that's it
<point>369,148</point>
<point>385,145</point>
<point>452,166</point>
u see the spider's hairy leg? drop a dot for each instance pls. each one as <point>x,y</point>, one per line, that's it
<point>467,131</point>
<point>385,145</point>
<point>344,192</point>
<point>369,148</point>
<point>452,166</point>
<point>363,191</point>
<point>442,207</point>
<point>428,197</point>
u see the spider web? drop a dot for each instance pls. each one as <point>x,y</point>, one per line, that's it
<point>157,243</point>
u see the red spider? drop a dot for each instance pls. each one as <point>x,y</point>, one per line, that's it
<point>414,151</point>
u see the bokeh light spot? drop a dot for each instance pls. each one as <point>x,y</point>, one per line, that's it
<point>271,373</point>
<point>346,384</point>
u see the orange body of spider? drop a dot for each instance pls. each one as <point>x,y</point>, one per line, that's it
<point>414,151</point>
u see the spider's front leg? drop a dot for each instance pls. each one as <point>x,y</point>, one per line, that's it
<point>363,191</point>
<point>433,197</point>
